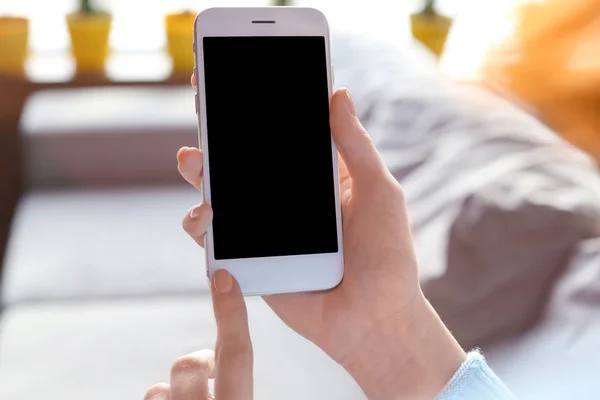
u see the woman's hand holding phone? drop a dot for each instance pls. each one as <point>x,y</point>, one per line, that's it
<point>377,323</point>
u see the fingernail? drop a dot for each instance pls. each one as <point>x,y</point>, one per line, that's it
<point>349,103</point>
<point>195,211</point>
<point>223,281</point>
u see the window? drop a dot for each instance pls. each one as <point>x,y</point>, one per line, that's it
<point>138,24</point>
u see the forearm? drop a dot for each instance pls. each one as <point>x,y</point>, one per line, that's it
<point>409,360</point>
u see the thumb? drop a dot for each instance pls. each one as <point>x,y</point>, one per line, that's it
<point>352,140</point>
<point>233,380</point>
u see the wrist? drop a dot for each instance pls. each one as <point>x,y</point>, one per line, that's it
<point>408,356</point>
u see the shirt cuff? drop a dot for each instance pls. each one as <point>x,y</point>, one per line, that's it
<point>474,380</point>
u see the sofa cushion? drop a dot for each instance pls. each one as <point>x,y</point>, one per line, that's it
<point>100,136</point>
<point>97,243</point>
<point>117,349</point>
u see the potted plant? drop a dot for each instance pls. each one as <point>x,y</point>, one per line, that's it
<point>14,36</point>
<point>180,36</point>
<point>430,28</point>
<point>89,30</point>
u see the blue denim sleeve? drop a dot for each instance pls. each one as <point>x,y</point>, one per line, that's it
<point>474,380</point>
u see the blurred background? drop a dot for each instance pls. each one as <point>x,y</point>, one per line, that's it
<point>487,112</point>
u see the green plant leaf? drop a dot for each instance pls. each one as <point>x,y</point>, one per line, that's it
<point>86,6</point>
<point>429,7</point>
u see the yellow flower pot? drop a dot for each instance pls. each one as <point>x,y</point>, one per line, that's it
<point>180,32</point>
<point>89,41</point>
<point>431,30</point>
<point>14,36</point>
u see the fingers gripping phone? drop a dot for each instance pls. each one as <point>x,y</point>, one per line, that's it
<point>263,85</point>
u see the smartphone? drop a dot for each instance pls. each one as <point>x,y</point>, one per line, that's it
<point>263,86</point>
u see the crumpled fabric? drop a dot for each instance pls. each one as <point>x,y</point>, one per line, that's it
<point>497,201</point>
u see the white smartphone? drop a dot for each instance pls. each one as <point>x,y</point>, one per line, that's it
<point>263,85</point>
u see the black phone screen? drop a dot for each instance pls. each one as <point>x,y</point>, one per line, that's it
<point>269,146</point>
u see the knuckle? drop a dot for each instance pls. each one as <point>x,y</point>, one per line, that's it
<point>156,390</point>
<point>234,333</point>
<point>185,223</point>
<point>240,347</point>
<point>191,364</point>
<point>392,187</point>
<point>239,353</point>
<point>232,320</point>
